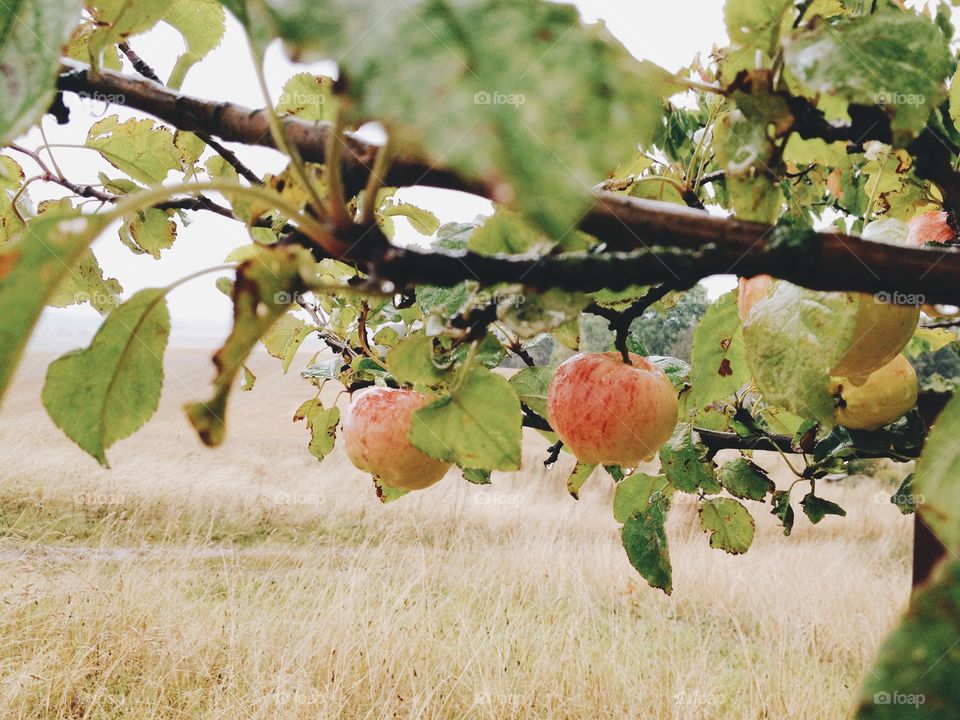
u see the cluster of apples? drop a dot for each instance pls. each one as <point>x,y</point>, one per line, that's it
<point>605,410</point>
<point>873,383</point>
<point>611,412</point>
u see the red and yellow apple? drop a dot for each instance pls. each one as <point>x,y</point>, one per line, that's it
<point>886,396</point>
<point>376,430</point>
<point>611,413</point>
<point>930,227</point>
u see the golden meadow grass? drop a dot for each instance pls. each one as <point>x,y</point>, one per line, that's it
<point>254,582</point>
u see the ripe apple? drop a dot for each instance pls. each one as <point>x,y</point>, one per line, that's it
<point>882,331</point>
<point>930,227</point>
<point>751,291</point>
<point>611,413</point>
<point>376,430</point>
<point>886,396</point>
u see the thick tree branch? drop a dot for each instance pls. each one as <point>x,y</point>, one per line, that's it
<point>669,243</point>
<point>235,123</point>
<point>226,153</point>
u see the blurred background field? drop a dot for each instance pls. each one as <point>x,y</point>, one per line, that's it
<point>254,582</point>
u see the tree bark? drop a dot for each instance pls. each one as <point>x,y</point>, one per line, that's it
<point>709,244</point>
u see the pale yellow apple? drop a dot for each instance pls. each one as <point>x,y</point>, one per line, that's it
<point>886,396</point>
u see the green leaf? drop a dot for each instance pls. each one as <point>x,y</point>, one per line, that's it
<point>504,233</point>
<point>616,472</point>
<point>755,23</point>
<point>86,284</point>
<point>729,523</point>
<point>444,300</point>
<point>794,338</point>
<point>116,20</point>
<point>635,493</point>
<point>676,370</point>
<point>247,379</point>
<point>955,98</point>
<point>581,472</point>
<point>531,314</point>
<point>285,337</point>
<point>896,59</point>
<point>904,498</point>
<point>202,24</point>
<point>32,33</point>
<point>262,293</point>
<point>915,674</point>
<point>477,425</point>
<point>935,479</point>
<point>328,369</point>
<point>743,479</point>
<point>718,358</point>
<point>684,461</point>
<point>322,424</point>
<point>477,477</point>
<point>423,221</point>
<point>411,362</point>
<point>140,148</point>
<point>645,541</point>
<point>507,88</point>
<point>385,493</point>
<point>454,236</point>
<point>31,268</point>
<point>816,508</point>
<point>308,96</point>
<point>149,231</point>
<point>107,391</point>
<point>531,385</point>
<point>781,508</point>
<point>11,181</point>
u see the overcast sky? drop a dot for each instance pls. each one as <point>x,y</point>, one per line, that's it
<point>667,33</point>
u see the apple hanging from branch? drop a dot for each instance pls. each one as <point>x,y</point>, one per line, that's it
<point>881,331</point>
<point>376,429</point>
<point>885,397</point>
<point>611,413</point>
<point>930,227</point>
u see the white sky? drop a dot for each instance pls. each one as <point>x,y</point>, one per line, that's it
<point>667,33</point>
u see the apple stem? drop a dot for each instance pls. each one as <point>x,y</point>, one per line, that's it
<point>620,320</point>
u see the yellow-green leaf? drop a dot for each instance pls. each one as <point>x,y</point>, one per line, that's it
<point>31,268</point>
<point>107,391</point>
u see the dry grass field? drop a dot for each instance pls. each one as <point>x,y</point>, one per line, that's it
<point>254,582</point>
